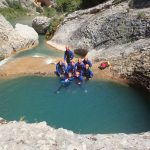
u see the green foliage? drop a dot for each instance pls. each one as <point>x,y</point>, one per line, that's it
<point>49,12</point>
<point>15,10</point>
<point>67,5</point>
<point>131,3</point>
<point>10,13</point>
<point>55,22</point>
<point>142,15</point>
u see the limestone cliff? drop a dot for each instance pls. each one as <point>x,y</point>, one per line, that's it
<point>111,31</point>
<point>38,136</point>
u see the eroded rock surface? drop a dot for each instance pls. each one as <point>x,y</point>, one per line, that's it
<point>41,24</point>
<point>39,136</point>
<point>15,39</point>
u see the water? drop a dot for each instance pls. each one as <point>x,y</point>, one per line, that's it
<point>99,107</point>
<point>42,49</point>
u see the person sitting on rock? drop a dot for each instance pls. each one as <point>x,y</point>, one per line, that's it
<point>87,73</point>
<point>79,66</point>
<point>87,61</point>
<point>68,55</point>
<point>71,68</point>
<point>60,69</point>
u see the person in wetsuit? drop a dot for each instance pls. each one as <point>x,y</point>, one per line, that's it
<point>87,73</point>
<point>60,69</point>
<point>68,55</point>
<point>71,68</point>
<point>79,66</point>
<point>87,61</point>
<point>78,78</point>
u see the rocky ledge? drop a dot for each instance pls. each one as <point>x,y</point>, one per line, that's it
<point>23,136</point>
<point>15,39</point>
<point>111,32</point>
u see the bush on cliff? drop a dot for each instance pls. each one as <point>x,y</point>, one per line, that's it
<point>15,10</point>
<point>55,22</point>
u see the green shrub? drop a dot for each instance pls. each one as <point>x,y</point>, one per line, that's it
<point>49,12</point>
<point>55,22</point>
<point>10,13</point>
<point>142,15</point>
<point>67,5</point>
<point>15,10</point>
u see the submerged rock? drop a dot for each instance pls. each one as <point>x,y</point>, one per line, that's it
<point>39,136</point>
<point>41,24</point>
<point>15,39</point>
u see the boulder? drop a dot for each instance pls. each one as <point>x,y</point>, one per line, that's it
<point>41,24</point>
<point>81,52</point>
<point>15,39</point>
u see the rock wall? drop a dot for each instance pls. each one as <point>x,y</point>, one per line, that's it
<point>27,4</point>
<point>15,39</point>
<point>135,67</point>
<point>103,26</point>
<point>38,136</point>
<point>110,31</point>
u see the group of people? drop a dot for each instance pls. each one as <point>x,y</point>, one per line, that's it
<point>71,71</point>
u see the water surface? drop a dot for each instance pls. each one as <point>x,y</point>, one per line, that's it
<point>98,107</point>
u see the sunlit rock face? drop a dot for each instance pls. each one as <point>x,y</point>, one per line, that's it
<point>20,135</point>
<point>41,24</point>
<point>15,39</point>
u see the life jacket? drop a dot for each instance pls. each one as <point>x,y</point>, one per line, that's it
<point>61,68</point>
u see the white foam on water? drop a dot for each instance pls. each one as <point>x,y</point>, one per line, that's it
<point>48,61</point>
<point>4,61</point>
<point>38,55</point>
